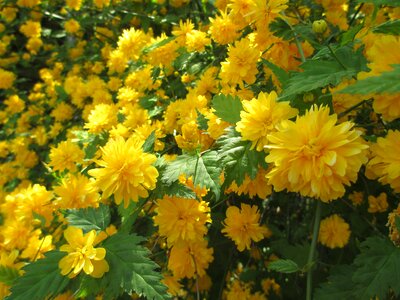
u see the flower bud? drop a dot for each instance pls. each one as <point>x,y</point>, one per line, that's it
<point>319,26</point>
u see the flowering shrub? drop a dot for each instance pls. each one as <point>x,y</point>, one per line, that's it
<point>229,149</point>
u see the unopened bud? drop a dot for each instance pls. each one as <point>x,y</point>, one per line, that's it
<point>308,97</point>
<point>319,26</point>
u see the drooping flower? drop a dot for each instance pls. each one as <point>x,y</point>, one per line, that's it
<point>261,117</point>
<point>181,219</point>
<point>242,226</point>
<point>127,172</point>
<point>82,255</point>
<point>334,232</point>
<point>394,233</point>
<point>190,259</point>
<point>314,156</point>
<point>385,163</point>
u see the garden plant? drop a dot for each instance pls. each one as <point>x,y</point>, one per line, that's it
<point>227,149</point>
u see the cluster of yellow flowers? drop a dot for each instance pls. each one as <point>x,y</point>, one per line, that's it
<point>107,110</point>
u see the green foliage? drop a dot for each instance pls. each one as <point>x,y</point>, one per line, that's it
<point>148,145</point>
<point>338,285</point>
<point>381,2</point>
<point>8,275</point>
<point>283,266</point>
<point>389,27</point>
<point>130,269</point>
<point>204,168</point>
<point>280,73</point>
<point>89,218</point>
<point>227,107</point>
<point>237,157</point>
<point>316,74</point>
<point>377,269</point>
<point>387,82</point>
<point>42,279</point>
<point>201,121</point>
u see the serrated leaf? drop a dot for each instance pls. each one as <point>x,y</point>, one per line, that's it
<point>41,280</point>
<point>201,121</point>
<point>237,158</point>
<point>389,27</point>
<point>8,275</point>
<point>148,145</point>
<point>175,189</point>
<point>316,74</point>
<point>227,108</point>
<point>377,269</point>
<point>283,266</point>
<point>338,285</point>
<point>89,218</point>
<point>298,252</point>
<point>131,269</point>
<point>280,73</point>
<point>205,170</point>
<point>386,82</point>
<point>349,35</point>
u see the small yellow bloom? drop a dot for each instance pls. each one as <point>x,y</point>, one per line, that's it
<point>82,255</point>
<point>334,232</point>
<point>242,226</point>
<point>377,204</point>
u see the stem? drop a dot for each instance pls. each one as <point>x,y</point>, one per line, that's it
<point>342,114</point>
<point>313,249</point>
<point>296,39</point>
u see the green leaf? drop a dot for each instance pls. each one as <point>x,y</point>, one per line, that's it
<point>237,158</point>
<point>8,275</point>
<point>227,107</point>
<point>158,44</point>
<point>42,279</point>
<point>131,269</point>
<point>316,74</point>
<point>349,35</point>
<point>397,223</point>
<point>62,94</point>
<point>283,266</point>
<point>389,27</point>
<point>148,145</point>
<point>280,73</point>
<point>297,252</point>
<point>205,170</point>
<point>89,218</point>
<point>386,82</point>
<point>377,269</point>
<point>201,121</point>
<point>338,285</point>
<point>381,2</point>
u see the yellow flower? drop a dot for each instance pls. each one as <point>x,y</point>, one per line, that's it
<point>356,198</point>
<point>394,234</point>
<point>241,64</point>
<point>102,117</point>
<point>126,172</point>
<point>242,226</point>
<point>261,116</point>
<point>31,29</point>
<point>6,79</point>
<point>334,232</point>
<point>314,156</point>
<point>82,255</point>
<point>190,259</point>
<point>377,204</point>
<point>181,219</point>
<point>65,156</point>
<point>74,4</point>
<point>388,105</point>
<point>386,160</point>
<point>223,29</point>
<point>76,191</point>
<point>258,186</point>
<point>72,26</point>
